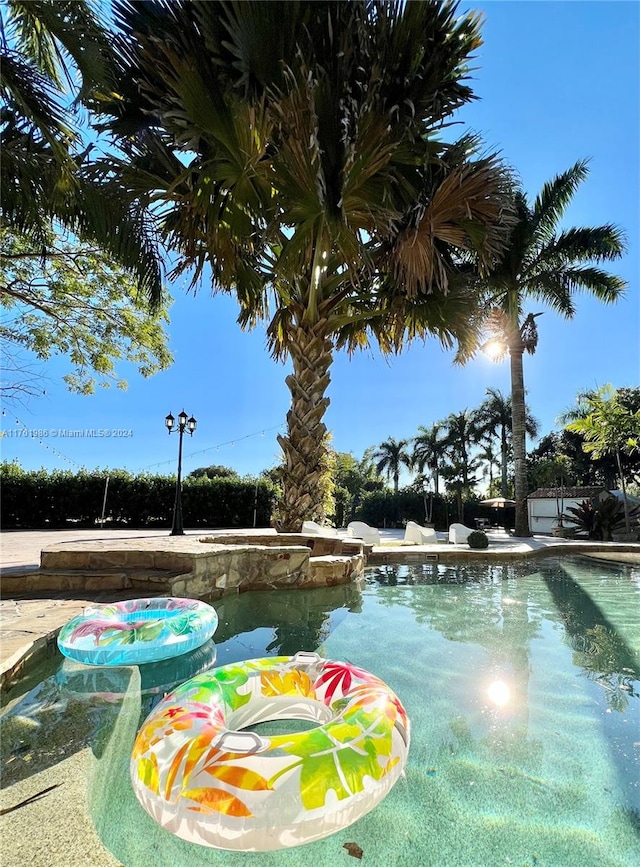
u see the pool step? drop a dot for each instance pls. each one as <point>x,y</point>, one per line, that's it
<point>332,569</point>
<point>156,581</point>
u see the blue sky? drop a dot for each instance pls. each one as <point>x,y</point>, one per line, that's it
<point>556,82</point>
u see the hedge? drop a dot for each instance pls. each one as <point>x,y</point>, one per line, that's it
<point>384,509</point>
<point>38,499</point>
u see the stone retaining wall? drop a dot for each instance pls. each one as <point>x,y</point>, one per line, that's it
<point>190,566</point>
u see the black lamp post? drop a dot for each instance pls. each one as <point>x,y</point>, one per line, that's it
<point>189,424</point>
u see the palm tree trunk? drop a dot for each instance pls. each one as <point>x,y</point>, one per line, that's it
<point>627,522</point>
<point>504,457</point>
<point>519,434</point>
<point>465,466</point>
<point>305,478</point>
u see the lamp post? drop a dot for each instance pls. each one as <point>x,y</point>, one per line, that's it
<point>189,424</point>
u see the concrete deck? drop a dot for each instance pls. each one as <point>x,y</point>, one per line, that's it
<point>30,623</point>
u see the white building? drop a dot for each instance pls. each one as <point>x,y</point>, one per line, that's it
<point>547,504</point>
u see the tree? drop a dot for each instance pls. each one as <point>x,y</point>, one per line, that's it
<point>555,471</point>
<point>390,457</point>
<point>462,433</point>
<point>372,480</point>
<point>46,178</point>
<point>541,263</point>
<point>428,451</point>
<point>74,302</point>
<point>559,457</point>
<point>604,469</point>
<point>293,148</point>
<point>609,428</point>
<point>489,458</point>
<point>216,471</point>
<point>352,478</point>
<point>495,418</point>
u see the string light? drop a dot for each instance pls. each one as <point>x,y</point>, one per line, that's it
<point>191,455</point>
<point>49,448</point>
<point>215,448</point>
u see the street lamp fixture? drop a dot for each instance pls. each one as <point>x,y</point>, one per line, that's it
<point>184,424</point>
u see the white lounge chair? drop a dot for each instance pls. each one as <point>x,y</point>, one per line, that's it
<point>315,529</point>
<point>419,535</point>
<point>458,533</point>
<point>360,530</point>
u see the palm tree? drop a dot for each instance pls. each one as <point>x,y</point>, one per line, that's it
<point>603,470</point>
<point>291,148</point>
<point>390,456</point>
<point>462,433</point>
<point>489,457</point>
<point>495,418</point>
<point>428,450</point>
<point>544,264</point>
<point>608,428</point>
<point>45,175</point>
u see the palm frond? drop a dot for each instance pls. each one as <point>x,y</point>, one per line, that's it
<point>98,212</point>
<point>48,33</point>
<point>30,95</point>
<point>384,312</point>
<point>556,287</point>
<point>599,243</point>
<point>602,285</point>
<point>32,181</point>
<point>468,211</point>
<point>34,41</point>
<point>418,45</point>
<point>553,199</point>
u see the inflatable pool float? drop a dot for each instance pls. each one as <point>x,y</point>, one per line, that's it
<point>137,631</point>
<point>109,683</point>
<point>202,778</point>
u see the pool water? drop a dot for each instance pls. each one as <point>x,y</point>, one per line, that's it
<point>522,682</point>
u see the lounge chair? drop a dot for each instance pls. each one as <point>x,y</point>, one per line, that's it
<point>360,530</point>
<point>315,529</point>
<point>419,535</point>
<point>458,533</point>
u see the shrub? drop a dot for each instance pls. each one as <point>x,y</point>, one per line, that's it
<point>384,509</point>
<point>598,520</point>
<point>41,499</point>
<point>478,539</point>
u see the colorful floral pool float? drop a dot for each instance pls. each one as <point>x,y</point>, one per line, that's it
<point>137,631</point>
<point>202,778</point>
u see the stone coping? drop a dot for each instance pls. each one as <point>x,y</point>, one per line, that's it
<point>505,549</point>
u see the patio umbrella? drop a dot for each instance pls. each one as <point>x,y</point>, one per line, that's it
<point>498,502</point>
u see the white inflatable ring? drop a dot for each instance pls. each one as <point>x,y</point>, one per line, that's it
<point>137,631</point>
<point>206,781</point>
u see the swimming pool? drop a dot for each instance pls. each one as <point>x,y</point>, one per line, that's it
<point>522,681</point>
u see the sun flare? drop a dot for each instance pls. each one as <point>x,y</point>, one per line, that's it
<point>499,693</point>
<point>494,349</point>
